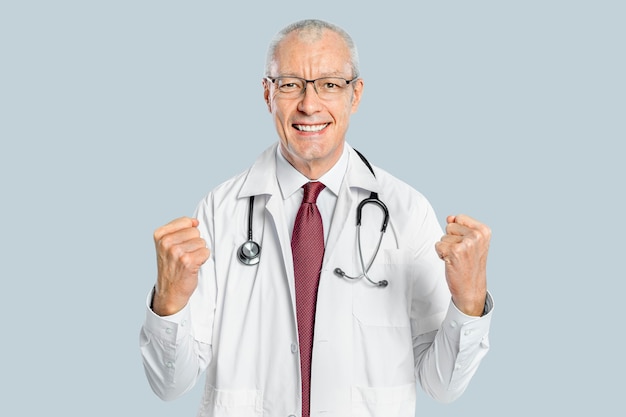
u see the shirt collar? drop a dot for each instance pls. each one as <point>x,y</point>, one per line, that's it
<point>291,180</point>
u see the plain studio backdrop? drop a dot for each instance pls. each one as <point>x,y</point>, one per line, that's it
<point>117,116</point>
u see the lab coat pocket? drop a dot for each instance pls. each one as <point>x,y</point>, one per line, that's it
<point>231,403</point>
<point>385,306</point>
<point>398,401</point>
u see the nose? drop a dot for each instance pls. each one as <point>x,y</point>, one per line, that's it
<point>309,101</point>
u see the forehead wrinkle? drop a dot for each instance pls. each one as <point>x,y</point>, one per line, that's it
<point>333,74</point>
<point>321,63</point>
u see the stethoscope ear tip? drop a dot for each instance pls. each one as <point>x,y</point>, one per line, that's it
<point>383,283</point>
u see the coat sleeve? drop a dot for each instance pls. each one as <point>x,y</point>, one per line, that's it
<point>446,359</point>
<point>448,345</point>
<point>176,349</point>
<point>172,357</point>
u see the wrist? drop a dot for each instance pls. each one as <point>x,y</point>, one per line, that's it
<point>474,308</point>
<point>165,306</point>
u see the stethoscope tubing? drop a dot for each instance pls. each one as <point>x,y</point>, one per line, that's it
<point>364,274</point>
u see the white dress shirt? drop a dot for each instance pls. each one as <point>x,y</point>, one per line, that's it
<point>290,181</point>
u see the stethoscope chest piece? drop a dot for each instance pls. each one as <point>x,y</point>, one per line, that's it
<point>249,253</point>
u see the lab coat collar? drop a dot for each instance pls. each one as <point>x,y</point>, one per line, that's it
<point>359,175</point>
<point>291,180</point>
<point>261,177</point>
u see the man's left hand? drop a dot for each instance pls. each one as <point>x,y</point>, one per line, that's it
<point>464,249</point>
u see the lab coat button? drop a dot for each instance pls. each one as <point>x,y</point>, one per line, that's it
<point>169,364</point>
<point>468,332</point>
<point>294,348</point>
<point>168,331</point>
<point>453,324</point>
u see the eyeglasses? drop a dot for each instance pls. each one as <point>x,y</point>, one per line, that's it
<point>325,87</point>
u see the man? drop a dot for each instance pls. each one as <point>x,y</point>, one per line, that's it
<point>321,317</point>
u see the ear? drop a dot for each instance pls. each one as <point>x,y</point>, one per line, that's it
<point>356,94</point>
<point>266,94</point>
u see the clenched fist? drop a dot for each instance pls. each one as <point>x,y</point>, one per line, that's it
<point>180,253</point>
<point>464,249</point>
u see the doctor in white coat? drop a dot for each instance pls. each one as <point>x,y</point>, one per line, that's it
<point>373,343</point>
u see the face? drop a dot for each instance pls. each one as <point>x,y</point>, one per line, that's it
<point>312,131</point>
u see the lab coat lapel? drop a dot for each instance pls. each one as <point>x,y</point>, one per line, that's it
<point>261,181</point>
<point>345,201</point>
<point>357,176</point>
<point>275,209</point>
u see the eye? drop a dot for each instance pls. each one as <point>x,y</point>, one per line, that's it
<point>289,84</point>
<point>331,84</point>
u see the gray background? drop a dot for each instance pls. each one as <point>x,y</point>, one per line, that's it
<point>116,116</point>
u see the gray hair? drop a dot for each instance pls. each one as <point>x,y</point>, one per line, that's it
<point>312,26</point>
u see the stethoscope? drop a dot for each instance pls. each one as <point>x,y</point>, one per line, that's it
<point>249,252</point>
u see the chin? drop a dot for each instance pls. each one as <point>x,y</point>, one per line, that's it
<point>311,149</point>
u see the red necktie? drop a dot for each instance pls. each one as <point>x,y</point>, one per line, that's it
<point>307,247</point>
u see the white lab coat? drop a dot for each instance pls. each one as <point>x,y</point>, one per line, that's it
<point>371,344</point>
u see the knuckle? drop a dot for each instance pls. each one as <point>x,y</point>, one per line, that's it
<point>468,244</point>
<point>482,233</point>
<point>184,258</point>
<point>188,260</point>
<point>166,242</point>
<point>474,235</point>
<point>158,234</point>
<point>177,252</point>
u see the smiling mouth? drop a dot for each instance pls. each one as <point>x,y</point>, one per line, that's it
<point>310,128</point>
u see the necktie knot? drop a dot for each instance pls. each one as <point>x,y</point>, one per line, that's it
<point>311,191</point>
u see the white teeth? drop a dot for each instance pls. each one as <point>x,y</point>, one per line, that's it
<point>310,128</point>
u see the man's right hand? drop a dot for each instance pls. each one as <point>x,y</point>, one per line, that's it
<point>180,253</point>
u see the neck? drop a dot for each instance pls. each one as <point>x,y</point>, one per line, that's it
<point>313,168</point>
<point>312,171</point>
